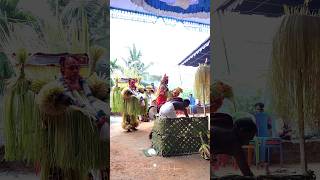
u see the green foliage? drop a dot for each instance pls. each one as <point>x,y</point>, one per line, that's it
<point>6,71</point>
<point>245,103</point>
<point>186,92</point>
<point>102,67</point>
<point>130,106</point>
<point>96,11</point>
<point>95,55</point>
<point>19,116</point>
<point>26,137</point>
<point>10,13</point>
<point>114,66</point>
<point>134,65</point>
<point>57,5</point>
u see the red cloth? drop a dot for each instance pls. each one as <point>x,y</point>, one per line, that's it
<point>161,99</point>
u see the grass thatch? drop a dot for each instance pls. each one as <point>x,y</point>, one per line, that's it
<point>295,69</point>
<point>202,83</point>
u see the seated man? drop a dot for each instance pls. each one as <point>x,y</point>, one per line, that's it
<point>230,142</point>
<point>168,109</point>
<point>286,132</point>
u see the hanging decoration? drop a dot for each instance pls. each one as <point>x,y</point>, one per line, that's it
<point>177,8</point>
<point>202,83</point>
<point>295,71</point>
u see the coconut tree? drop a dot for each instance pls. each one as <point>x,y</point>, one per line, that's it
<point>6,71</point>
<point>114,66</point>
<point>134,63</point>
<point>10,13</point>
<point>99,26</point>
<point>295,71</point>
<point>134,57</point>
<point>96,14</point>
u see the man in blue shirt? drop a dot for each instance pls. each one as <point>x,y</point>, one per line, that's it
<point>264,127</point>
<point>263,121</point>
<point>193,106</point>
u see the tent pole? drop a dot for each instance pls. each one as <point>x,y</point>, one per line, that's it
<point>204,100</point>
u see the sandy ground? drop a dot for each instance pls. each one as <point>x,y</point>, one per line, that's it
<point>274,169</point>
<point>129,163</point>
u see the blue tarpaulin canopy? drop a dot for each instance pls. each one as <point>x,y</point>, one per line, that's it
<point>182,6</point>
<point>186,10</point>
<point>199,55</point>
<point>269,8</point>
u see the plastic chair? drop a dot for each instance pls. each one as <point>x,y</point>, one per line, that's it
<point>250,149</point>
<point>274,143</point>
<point>250,155</point>
<point>269,143</point>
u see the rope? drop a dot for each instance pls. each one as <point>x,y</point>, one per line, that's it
<point>224,45</point>
<point>262,3</point>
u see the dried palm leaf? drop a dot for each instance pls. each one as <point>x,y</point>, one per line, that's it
<point>295,69</point>
<point>202,83</point>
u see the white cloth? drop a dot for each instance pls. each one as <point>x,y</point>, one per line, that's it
<point>167,111</point>
<point>149,99</point>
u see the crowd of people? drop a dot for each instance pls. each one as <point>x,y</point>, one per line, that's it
<point>157,102</point>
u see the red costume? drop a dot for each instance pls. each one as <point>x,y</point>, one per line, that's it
<point>162,92</point>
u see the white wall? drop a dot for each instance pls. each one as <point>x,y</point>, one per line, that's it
<point>248,42</point>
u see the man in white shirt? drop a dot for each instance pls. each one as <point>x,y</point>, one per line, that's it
<point>168,110</point>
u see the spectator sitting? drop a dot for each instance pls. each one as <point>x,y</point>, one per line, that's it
<point>286,132</point>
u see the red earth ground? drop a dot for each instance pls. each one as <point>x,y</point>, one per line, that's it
<point>129,163</point>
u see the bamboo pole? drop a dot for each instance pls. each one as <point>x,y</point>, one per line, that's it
<point>203,91</point>
<point>300,101</point>
<point>204,100</point>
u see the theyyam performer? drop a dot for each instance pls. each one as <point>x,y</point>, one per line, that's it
<point>65,128</point>
<point>130,102</point>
